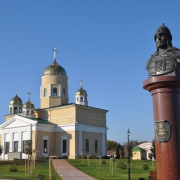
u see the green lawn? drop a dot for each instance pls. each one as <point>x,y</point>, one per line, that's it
<point>104,172</point>
<point>41,168</point>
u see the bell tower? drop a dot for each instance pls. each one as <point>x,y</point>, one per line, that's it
<point>54,87</point>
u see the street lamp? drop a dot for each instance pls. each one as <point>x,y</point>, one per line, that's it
<point>128,133</point>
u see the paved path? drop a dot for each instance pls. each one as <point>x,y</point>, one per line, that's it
<point>68,172</point>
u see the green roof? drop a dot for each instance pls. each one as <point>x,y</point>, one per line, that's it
<point>40,120</point>
<point>138,149</point>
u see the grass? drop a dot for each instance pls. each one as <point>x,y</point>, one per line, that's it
<point>41,168</point>
<point>103,173</point>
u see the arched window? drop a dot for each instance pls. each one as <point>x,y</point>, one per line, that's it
<point>45,92</point>
<point>20,110</point>
<point>81,98</point>
<point>11,110</point>
<point>15,110</point>
<point>64,92</point>
<point>27,112</point>
<point>85,98</point>
<point>54,91</point>
<point>32,112</point>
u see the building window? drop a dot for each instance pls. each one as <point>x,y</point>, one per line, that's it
<point>11,110</point>
<point>24,146</point>
<point>96,145</point>
<point>81,99</point>
<point>45,92</point>
<point>87,145</point>
<point>45,146</point>
<point>27,112</point>
<point>54,91</point>
<point>64,92</point>
<point>15,110</point>
<point>20,110</point>
<point>32,112</point>
<point>85,98</point>
<point>7,148</point>
<point>64,148</point>
<point>15,146</point>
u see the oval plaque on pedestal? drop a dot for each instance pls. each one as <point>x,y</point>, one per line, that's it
<point>162,129</point>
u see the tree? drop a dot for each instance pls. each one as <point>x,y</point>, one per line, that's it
<point>28,149</point>
<point>118,151</point>
<point>111,144</point>
<point>1,149</point>
<point>153,149</point>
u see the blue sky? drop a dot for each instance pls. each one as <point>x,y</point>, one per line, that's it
<point>104,42</point>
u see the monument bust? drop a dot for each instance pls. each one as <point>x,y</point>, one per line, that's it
<point>166,60</point>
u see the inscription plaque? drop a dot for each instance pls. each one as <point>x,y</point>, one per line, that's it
<point>162,129</point>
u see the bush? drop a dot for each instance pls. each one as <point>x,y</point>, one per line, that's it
<point>122,165</point>
<point>13,169</point>
<point>145,167</point>
<point>103,162</point>
<point>105,157</point>
<point>40,176</point>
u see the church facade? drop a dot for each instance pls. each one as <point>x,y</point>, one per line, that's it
<point>58,127</point>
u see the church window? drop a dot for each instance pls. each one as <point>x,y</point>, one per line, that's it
<point>81,99</point>
<point>45,92</point>
<point>20,110</point>
<point>64,92</point>
<point>15,110</point>
<point>96,145</point>
<point>85,98</point>
<point>45,146</point>
<point>24,146</point>
<point>32,112</point>
<point>64,148</point>
<point>15,146</point>
<point>11,110</point>
<point>87,145</point>
<point>27,112</point>
<point>54,91</point>
<point>7,148</point>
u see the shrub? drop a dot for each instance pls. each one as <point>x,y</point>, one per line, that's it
<point>13,169</point>
<point>40,176</point>
<point>105,157</point>
<point>145,167</point>
<point>103,162</point>
<point>122,165</point>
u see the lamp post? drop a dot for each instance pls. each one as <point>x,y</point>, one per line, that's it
<point>128,133</point>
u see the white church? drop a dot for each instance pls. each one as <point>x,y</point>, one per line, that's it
<point>56,128</point>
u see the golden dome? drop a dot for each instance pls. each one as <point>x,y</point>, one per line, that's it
<point>81,91</point>
<point>28,105</point>
<point>16,100</point>
<point>55,69</point>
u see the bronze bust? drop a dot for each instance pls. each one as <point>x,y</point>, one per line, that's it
<point>166,60</point>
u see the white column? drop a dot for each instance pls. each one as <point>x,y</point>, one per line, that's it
<point>49,90</point>
<point>11,143</point>
<point>20,142</point>
<point>3,144</point>
<point>80,142</point>
<point>103,145</point>
<point>60,90</point>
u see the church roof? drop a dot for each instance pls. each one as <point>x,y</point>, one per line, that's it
<point>16,100</point>
<point>71,104</point>
<point>81,91</point>
<point>55,69</point>
<point>138,149</point>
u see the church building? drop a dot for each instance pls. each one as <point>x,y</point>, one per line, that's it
<point>56,128</point>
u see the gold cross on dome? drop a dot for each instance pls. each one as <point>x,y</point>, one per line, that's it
<point>55,51</point>
<point>29,93</point>
<point>16,91</point>
<point>81,81</point>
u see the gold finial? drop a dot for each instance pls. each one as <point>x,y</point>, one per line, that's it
<point>55,51</point>
<point>16,91</point>
<point>81,81</point>
<point>29,93</point>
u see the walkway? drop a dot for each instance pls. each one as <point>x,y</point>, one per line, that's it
<point>68,172</point>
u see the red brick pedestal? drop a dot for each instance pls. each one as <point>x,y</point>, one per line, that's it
<point>165,91</point>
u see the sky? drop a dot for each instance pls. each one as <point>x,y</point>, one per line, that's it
<point>105,42</point>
